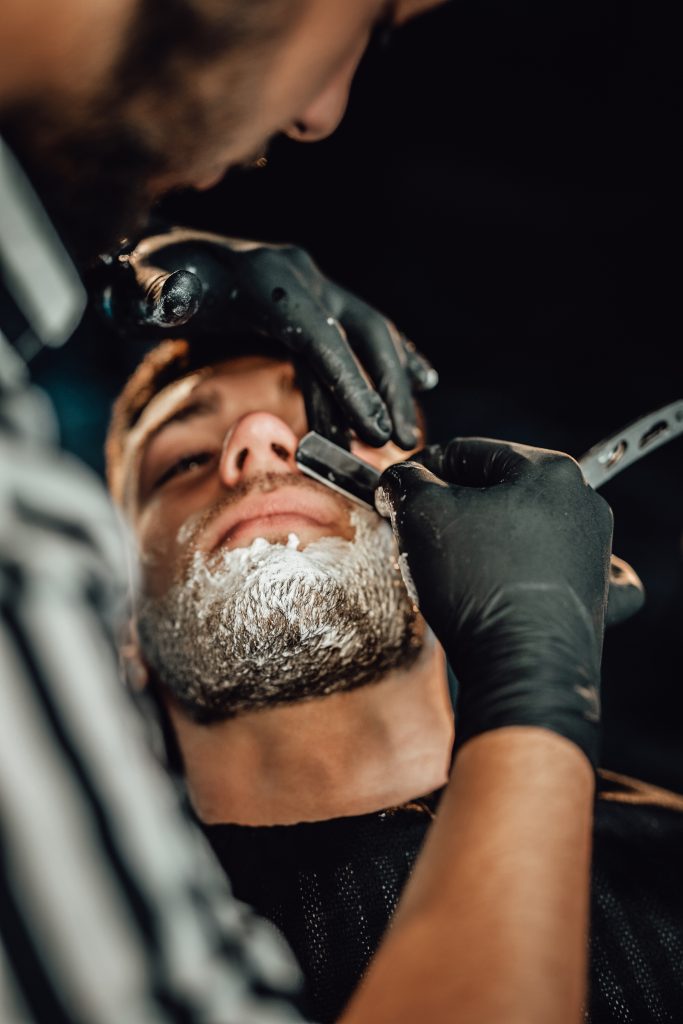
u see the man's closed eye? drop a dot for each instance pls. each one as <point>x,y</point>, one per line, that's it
<point>187,464</point>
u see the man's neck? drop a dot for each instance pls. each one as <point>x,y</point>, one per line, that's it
<point>349,753</point>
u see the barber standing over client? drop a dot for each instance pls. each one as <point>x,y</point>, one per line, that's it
<point>111,909</point>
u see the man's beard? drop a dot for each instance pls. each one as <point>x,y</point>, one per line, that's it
<point>271,624</point>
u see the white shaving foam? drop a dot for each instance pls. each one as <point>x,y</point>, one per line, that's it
<point>274,622</point>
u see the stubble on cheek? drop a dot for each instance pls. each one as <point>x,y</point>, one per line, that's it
<point>163,561</point>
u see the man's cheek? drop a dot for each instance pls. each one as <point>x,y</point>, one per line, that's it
<point>158,557</point>
<point>380,458</point>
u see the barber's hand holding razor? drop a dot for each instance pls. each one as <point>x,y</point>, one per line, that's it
<point>509,551</point>
<point>184,281</point>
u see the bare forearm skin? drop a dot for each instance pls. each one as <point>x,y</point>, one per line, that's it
<point>493,925</point>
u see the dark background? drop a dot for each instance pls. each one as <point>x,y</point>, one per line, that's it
<point>506,188</point>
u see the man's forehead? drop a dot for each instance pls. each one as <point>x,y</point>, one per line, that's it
<point>179,393</point>
<point>176,396</point>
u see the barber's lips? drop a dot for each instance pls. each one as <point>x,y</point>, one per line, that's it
<point>276,512</point>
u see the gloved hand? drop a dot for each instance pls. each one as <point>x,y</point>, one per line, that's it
<point>203,283</point>
<point>509,550</point>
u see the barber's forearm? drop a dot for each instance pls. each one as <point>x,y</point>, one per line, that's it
<point>493,925</point>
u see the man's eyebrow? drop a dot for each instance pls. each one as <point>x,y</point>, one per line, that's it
<point>207,405</point>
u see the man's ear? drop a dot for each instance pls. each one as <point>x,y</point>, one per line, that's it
<point>133,667</point>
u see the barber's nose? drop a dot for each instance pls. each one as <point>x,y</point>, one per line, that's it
<point>318,121</point>
<point>323,115</point>
<point>258,443</point>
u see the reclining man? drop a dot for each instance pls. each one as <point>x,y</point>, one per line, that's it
<point>114,923</point>
<point>307,696</point>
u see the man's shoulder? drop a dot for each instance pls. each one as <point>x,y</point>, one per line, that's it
<point>622,798</point>
<point>636,902</point>
<point>638,835</point>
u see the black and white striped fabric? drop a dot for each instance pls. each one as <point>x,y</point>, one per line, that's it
<point>112,907</point>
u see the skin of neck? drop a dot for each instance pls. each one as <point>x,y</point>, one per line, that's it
<point>376,747</point>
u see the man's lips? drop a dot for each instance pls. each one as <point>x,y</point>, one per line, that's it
<point>281,508</point>
<point>261,526</point>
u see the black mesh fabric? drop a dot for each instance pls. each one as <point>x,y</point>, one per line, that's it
<point>636,942</point>
<point>332,886</point>
<point>329,886</point>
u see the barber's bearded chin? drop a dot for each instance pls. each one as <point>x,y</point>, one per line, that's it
<point>93,182</point>
<point>274,624</point>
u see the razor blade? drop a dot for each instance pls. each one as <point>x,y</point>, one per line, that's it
<point>336,468</point>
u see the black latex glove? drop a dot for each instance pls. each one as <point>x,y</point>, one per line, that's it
<point>191,282</point>
<point>510,560</point>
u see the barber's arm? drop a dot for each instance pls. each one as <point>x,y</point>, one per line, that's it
<point>508,550</point>
<point>186,281</point>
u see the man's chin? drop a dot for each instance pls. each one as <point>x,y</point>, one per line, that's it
<point>268,624</point>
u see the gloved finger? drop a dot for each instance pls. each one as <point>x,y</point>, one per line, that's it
<point>166,299</point>
<point>422,374</point>
<point>486,462</point>
<point>301,324</point>
<point>475,461</point>
<point>398,483</point>
<point>322,413</point>
<point>304,265</point>
<point>431,456</point>
<point>377,344</point>
<point>626,594</point>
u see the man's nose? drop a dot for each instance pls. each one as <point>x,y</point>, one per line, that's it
<point>258,443</point>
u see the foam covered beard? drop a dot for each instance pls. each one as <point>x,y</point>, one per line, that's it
<point>272,624</point>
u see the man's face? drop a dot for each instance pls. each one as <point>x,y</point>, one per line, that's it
<point>153,124</point>
<point>225,438</point>
<point>259,584</point>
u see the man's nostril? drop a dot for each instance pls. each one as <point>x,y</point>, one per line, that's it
<point>280,451</point>
<point>241,458</point>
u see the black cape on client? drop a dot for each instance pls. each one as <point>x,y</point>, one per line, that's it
<point>331,887</point>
